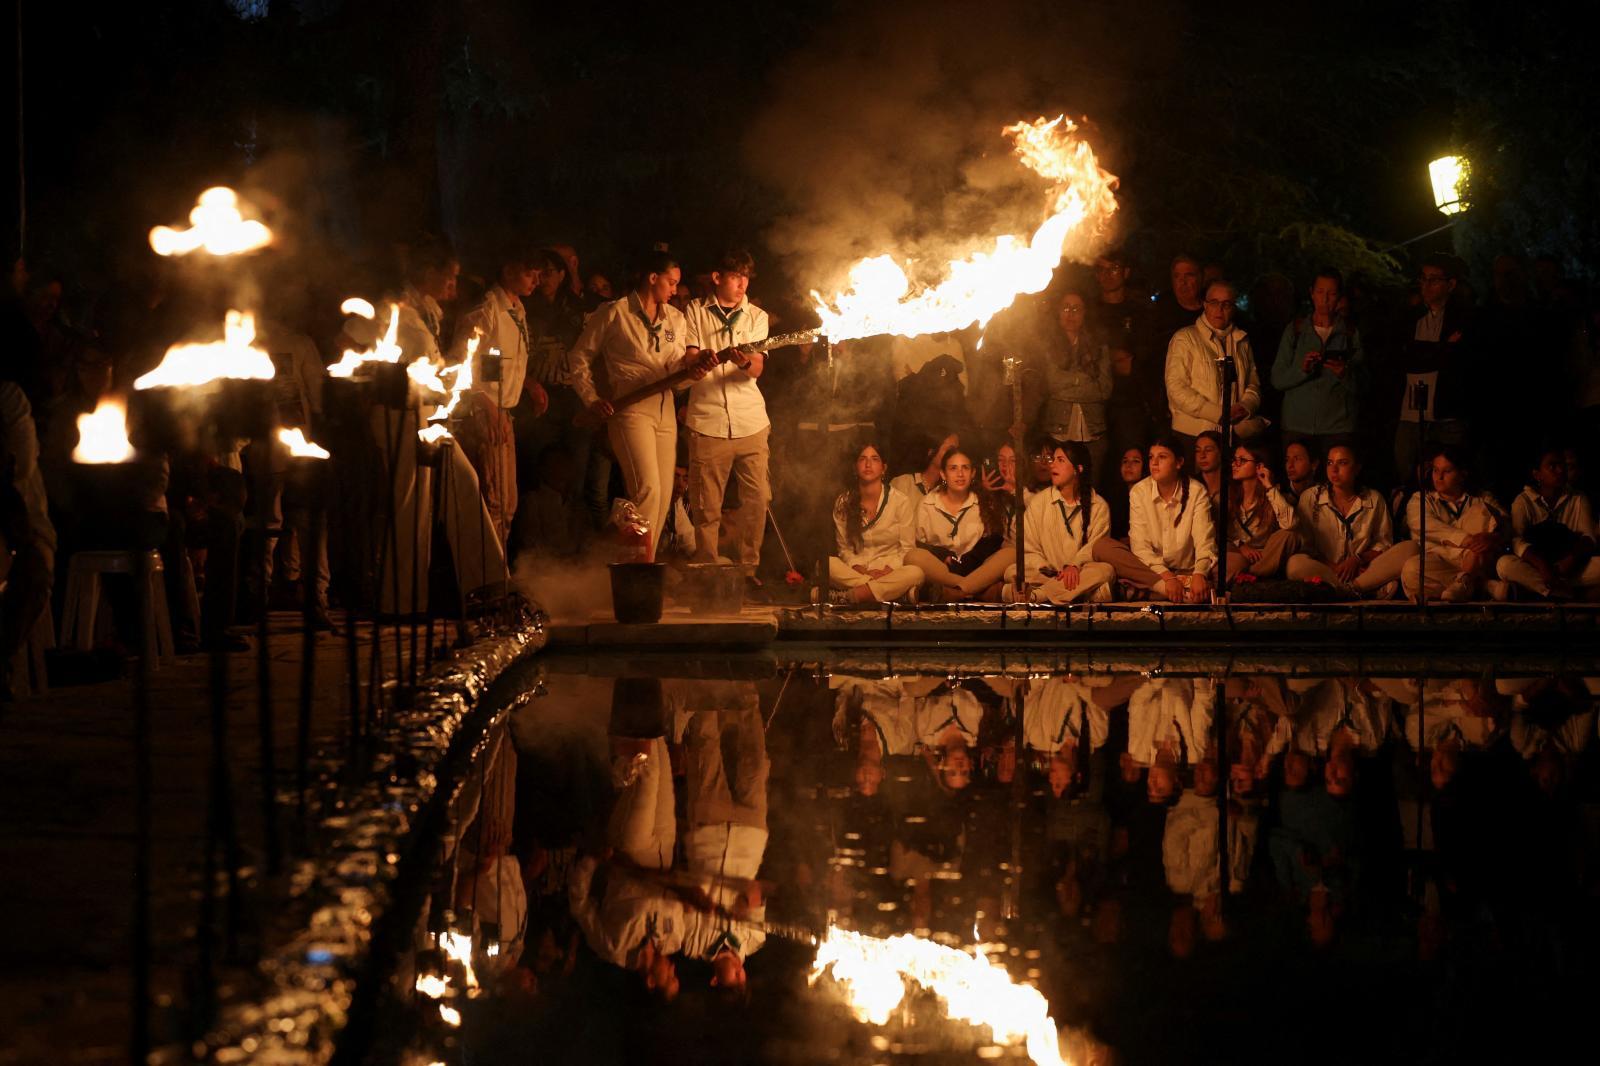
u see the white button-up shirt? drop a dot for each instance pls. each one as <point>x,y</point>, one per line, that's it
<point>957,532</point>
<point>504,326</point>
<point>633,351</point>
<point>1451,523</point>
<point>1172,535</point>
<point>1194,383</point>
<point>1529,509</point>
<point>885,537</point>
<point>1059,534</point>
<point>1332,536</point>
<point>1170,711</point>
<point>1059,710</point>
<point>727,402</point>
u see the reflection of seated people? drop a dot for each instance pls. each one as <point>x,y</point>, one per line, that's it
<point>1259,728</point>
<point>1552,723</point>
<point>947,724</point>
<point>875,718</point>
<point>1458,716</point>
<point>1189,857</point>
<point>1061,722</point>
<point>1314,853</point>
<point>1337,720</point>
<point>1169,727</point>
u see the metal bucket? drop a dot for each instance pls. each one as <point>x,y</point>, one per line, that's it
<point>637,591</point>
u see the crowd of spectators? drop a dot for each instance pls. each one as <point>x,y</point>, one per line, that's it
<point>1316,418</point>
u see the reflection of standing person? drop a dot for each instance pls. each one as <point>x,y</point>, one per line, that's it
<point>638,340</point>
<point>727,417</point>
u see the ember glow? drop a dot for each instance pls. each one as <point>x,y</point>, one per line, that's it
<point>103,434</point>
<point>874,975</point>
<point>295,440</point>
<point>386,350</point>
<point>235,356</point>
<point>216,226</point>
<point>1080,200</point>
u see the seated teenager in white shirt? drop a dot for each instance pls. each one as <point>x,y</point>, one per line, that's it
<point>1262,530</point>
<point>1552,529</point>
<point>874,529</point>
<point>1465,536</point>
<point>1210,467</point>
<point>960,534</point>
<point>1299,469</point>
<point>1172,543</point>
<point>1348,534</point>
<point>1061,526</point>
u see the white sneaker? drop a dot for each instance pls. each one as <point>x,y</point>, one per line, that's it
<point>1460,591</point>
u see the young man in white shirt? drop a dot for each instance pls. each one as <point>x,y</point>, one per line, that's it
<point>1194,380</point>
<point>1553,536</point>
<point>726,419</point>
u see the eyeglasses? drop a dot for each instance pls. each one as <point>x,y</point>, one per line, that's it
<point>1219,303</point>
<point>1242,460</point>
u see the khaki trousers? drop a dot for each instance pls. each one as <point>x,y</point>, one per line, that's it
<point>891,586</point>
<point>1511,568</point>
<point>644,438</point>
<point>1446,566</point>
<point>644,823</point>
<point>711,461</point>
<point>1275,552</point>
<point>1092,578</point>
<point>1382,570</point>
<point>946,582</point>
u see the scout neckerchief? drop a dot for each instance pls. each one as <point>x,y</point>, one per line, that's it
<point>728,318</point>
<point>1246,518</point>
<point>514,309</point>
<point>1348,524</point>
<point>883,505</point>
<point>1550,510</point>
<point>727,940</point>
<point>955,523</point>
<point>1066,722</point>
<point>954,719</point>
<point>1456,511</point>
<point>1068,516</point>
<point>637,307</point>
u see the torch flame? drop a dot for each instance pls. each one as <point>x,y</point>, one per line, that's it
<point>433,433</point>
<point>873,972</point>
<point>432,985</point>
<point>459,947</point>
<point>463,379</point>
<point>295,440</point>
<point>216,227</point>
<point>384,351</point>
<point>355,305</point>
<point>201,363</point>
<point>103,434</point>
<point>879,299</point>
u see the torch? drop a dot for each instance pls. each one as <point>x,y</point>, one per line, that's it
<point>1013,378</point>
<point>307,468</point>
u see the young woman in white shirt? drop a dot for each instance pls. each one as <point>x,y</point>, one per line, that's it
<point>1208,466</point>
<point>1348,534</point>
<point>1465,532</point>
<point>960,533</point>
<point>1061,526</point>
<point>1172,543</point>
<point>1262,530</point>
<point>1553,535</point>
<point>1299,469</point>
<point>874,528</point>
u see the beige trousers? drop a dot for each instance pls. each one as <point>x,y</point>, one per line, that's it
<point>1446,566</point>
<point>1382,570</point>
<point>1511,568</point>
<point>644,822</point>
<point>947,583</point>
<point>1092,577</point>
<point>1275,552</point>
<point>711,461</point>
<point>644,438</point>
<point>891,586</point>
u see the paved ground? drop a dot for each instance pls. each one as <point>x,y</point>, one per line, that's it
<point>67,838</point>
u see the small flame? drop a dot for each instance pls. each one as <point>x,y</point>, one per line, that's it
<point>235,356</point>
<point>450,1016</point>
<point>432,985</point>
<point>975,289</point>
<point>216,227</point>
<point>462,372</point>
<point>355,305</point>
<point>425,374</point>
<point>459,947</point>
<point>384,351</point>
<point>873,974</point>
<point>103,434</point>
<point>434,433</point>
<point>295,440</point>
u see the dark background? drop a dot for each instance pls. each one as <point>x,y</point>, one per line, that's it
<point>1266,136</point>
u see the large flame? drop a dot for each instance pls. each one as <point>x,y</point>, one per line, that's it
<point>873,974</point>
<point>103,434</point>
<point>235,356</point>
<point>386,350</point>
<point>1081,199</point>
<point>462,372</point>
<point>216,226</point>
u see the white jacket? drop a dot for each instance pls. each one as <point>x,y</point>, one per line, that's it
<point>1194,383</point>
<point>633,351</point>
<point>1332,537</point>
<point>503,323</point>
<point>1529,509</point>
<point>1450,524</point>
<point>727,402</point>
<point>1174,536</point>
<point>1060,534</point>
<point>885,539</point>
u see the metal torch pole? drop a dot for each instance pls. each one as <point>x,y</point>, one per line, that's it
<point>1229,371</point>
<point>1419,401</point>
<point>1013,377</point>
<point>312,554</point>
<point>261,454</point>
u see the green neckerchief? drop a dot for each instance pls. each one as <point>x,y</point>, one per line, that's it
<point>637,307</point>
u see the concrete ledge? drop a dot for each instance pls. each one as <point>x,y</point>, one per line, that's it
<point>752,628</point>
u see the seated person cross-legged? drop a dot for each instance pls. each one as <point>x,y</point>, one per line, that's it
<point>960,534</point>
<point>1172,544</point>
<point>1464,535</point>
<point>1061,526</point>
<point>1552,548</point>
<point>1262,530</point>
<point>873,526</point>
<point>1348,533</point>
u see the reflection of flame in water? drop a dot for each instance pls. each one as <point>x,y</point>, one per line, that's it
<point>216,226</point>
<point>103,434</point>
<point>432,985</point>
<point>459,947</point>
<point>384,351</point>
<point>295,440</point>
<point>976,288</point>
<point>235,356</point>
<point>873,974</point>
<point>450,1015</point>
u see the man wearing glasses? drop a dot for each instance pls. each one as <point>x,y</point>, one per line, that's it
<point>1434,357</point>
<point>1194,378</point>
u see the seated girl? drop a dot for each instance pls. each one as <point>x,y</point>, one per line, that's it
<point>1208,466</point>
<point>1262,530</point>
<point>1172,544</point>
<point>1464,536</point>
<point>1130,471</point>
<point>1348,534</point>
<point>873,526</point>
<point>960,534</point>
<point>1060,528</point>
<point>1552,530</point>
<point>1299,469</point>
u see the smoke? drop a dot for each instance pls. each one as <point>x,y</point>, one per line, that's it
<point>885,135</point>
<point>571,591</point>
